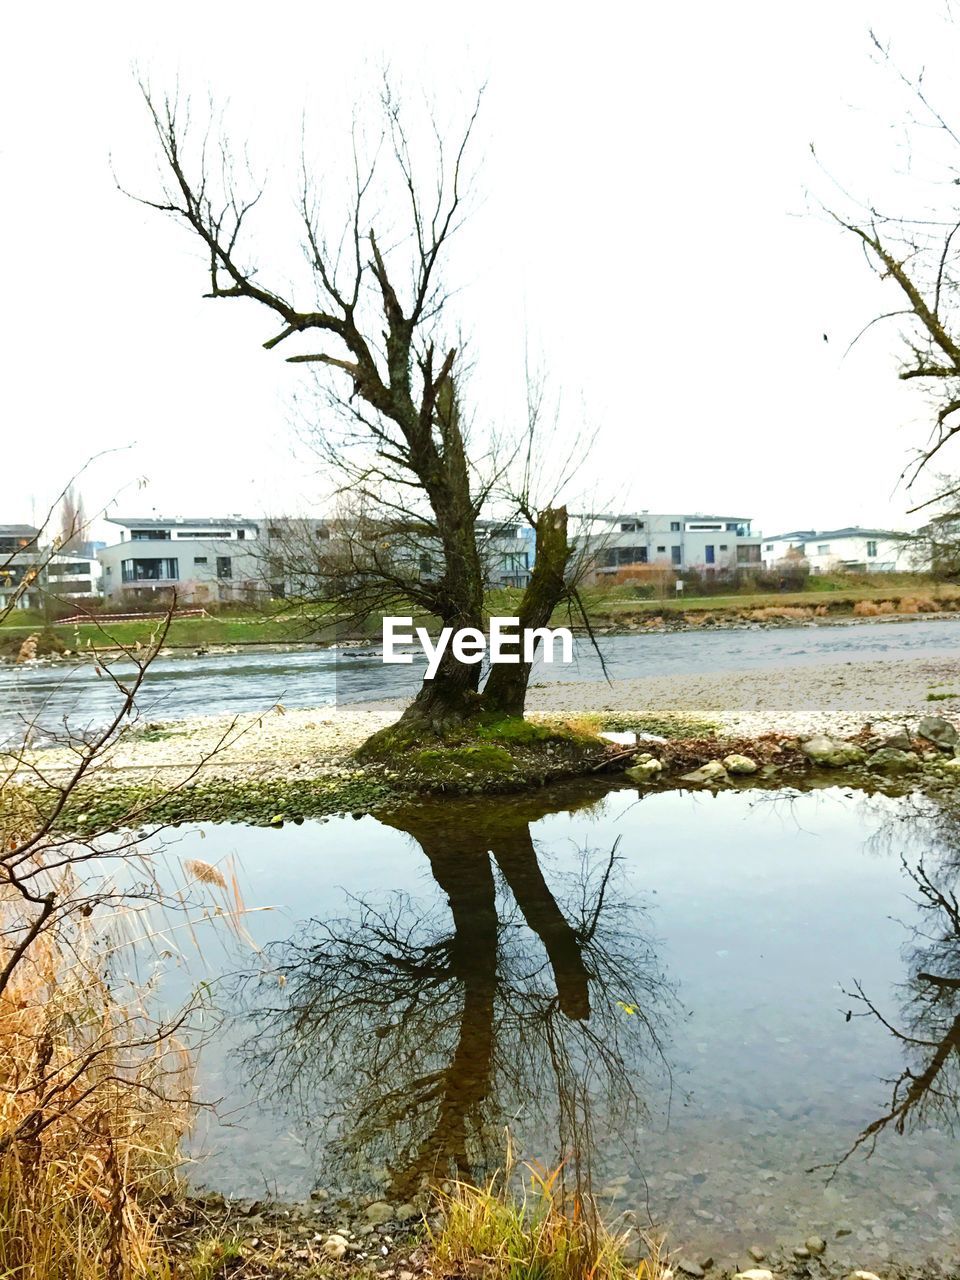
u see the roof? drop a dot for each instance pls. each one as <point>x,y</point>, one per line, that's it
<point>653,515</point>
<point>181,522</point>
<point>814,535</point>
<point>19,530</point>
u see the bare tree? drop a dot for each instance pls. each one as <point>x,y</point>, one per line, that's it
<point>919,253</point>
<point>73,521</point>
<point>393,370</point>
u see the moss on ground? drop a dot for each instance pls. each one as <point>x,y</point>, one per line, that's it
<point>488,753</point>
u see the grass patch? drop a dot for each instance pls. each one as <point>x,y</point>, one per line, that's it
<point>941,697</point>
<point>546,1232</point>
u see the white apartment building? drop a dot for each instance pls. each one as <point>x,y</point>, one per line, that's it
<point>205,560</point>
<point>678,541</point>
<point>61,575</point>
<point>852,549</point>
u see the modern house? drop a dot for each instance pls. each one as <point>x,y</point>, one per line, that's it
<point>621,546</point>
<point>852,549</point>
<point>204,559</point>
<point>213,559</point>
<point>58,575</point>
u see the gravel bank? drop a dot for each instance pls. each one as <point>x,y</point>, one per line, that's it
<point>834,699</point>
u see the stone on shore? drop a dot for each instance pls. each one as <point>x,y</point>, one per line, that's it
<point>645,768</point>
<point>832,753</point>
<point>939,731</point>
<point>739,764</point>
<point>712,771</point>
<point>890,760</point>
<point>379,1212</point>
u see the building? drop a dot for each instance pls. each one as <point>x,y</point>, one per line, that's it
<point>619,546</point>
<point>508,552</point>
<point>852,549</point>
<point>203,559</point>
<point>31,571</point>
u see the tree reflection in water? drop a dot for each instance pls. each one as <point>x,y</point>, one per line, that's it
<point>926,1092</point>
<point>421,1032</point>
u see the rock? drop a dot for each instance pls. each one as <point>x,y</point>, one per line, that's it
<point>831,753</point>
<point>739,764</point>
<point>899,741</point>
<point>334,1247</point>
<point>893,761</point>
<point>862,1275</point>
<point>707,1262</point>
<point>755,1273</point>
<point>319,1193</point>
<point>404,1212</point>
<point>815,1245</point>
<point>645,768</point>
<point>801,1253</point>
<point>938,731</point>
<point>756,1253</point>
<point>712,771</point>
<point>688,1268</point>
<point>379,1212</point>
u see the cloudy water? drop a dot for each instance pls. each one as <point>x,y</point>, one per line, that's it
<point>178,686</point>
<point>694,999</point>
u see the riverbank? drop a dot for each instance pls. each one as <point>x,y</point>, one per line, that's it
<point>263,1240</point>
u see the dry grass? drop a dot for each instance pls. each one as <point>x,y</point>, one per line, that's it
<point>94,1099</point>
<point>546,1232</point>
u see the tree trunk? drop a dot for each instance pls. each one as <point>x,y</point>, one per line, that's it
<point>506,687</point>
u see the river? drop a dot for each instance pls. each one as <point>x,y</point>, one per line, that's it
<point>180,685</point>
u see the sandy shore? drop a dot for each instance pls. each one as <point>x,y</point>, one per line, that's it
<point>797,700</point>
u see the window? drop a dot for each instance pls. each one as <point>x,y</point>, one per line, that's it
<point>661,550</point>
<point>871,548</point>
<point>823,549</point>
<point>149,535</point>
<point>710,554</point>
<point>205,533</point>
<point>323,533</point>
<point>69,570</point>
<point>273,531</point>
<point>705,528</point>
<point>153,570</point>
<point>626,555</point>
<point>199,559</point>
<point>768,547</point>
<point>723,546</point>
<point>749,554</point>
<point>674,526</point>
<point>676,555</point>
<point>631,526</point>
<point>241,534</point>
<point>224,567</point>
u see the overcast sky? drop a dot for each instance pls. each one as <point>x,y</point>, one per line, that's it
<point>643,221</point>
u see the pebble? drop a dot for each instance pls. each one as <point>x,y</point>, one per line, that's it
<point>688,1268</point>
<point>816,1245</point>
<point>756,1253</point>
<point>379,1212</point>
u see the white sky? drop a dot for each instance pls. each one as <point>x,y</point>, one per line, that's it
<point>644,220</point>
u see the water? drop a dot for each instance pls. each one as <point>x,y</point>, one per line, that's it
<point>232,683</point>
<point>679,994</point>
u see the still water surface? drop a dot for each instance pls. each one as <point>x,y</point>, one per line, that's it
<point>179,686</point>
<point>662,990</point>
